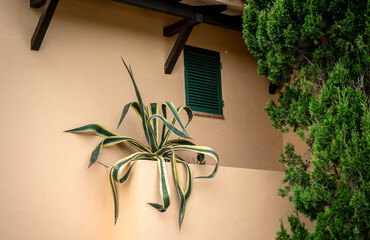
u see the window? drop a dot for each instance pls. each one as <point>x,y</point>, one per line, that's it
<point>203,80</point>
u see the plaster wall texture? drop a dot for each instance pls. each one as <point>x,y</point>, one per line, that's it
<point>46,190</point>
<point>237,204</point>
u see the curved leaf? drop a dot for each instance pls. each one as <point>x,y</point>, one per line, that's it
<point>177,142</point>
<point>189,113</point>
<point>153,127</point>
<point>171,127</point>
<point>95,128</point>
<point>95,154</point>
<point>174,142</point>
<point>183,196</point>
<point>121,164</point>
<point>134,105</point>
<point>166,134</point>
<point>175,114</point>
<point>113,141</point>
<point>127,174</point>
<point>125,177</point>
<point>164,131</point>
<point>115,195</point>
<point>163,186</point>
<point>152,110</point>
<point>157,206</point>
<point>116,171</point>
<point>129,70</point>
<point>143,113</point>
<point>176,117</point>
<point>119,139</point>
<point>187,192</point>
<point>198,149</point>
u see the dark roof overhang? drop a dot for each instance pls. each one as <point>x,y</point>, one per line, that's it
<point>192,16</point>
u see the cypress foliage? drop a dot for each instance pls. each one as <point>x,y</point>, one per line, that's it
<point>320,51</point>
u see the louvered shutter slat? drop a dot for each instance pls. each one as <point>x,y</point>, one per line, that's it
<point>203,80</point>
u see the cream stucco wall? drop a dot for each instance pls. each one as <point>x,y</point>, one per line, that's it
<point>46,190</point>
<point>237,204</point>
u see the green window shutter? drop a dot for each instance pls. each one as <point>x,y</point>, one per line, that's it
<point>203,80</point>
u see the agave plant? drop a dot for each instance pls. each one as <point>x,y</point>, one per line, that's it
<point>159,148</point>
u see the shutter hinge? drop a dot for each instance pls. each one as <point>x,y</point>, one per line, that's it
<point>223,103</point>
<point>220,65</point>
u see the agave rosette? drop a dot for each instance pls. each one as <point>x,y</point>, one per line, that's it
<point>158,148</point>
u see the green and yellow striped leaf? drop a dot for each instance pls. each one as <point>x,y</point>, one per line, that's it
<point>164,128</point>
<point>115,195</point>
<point>95,154</point>
<point>175,142</point>
<point>183,195</point>
<point>152,110</point>
<point>109,141</point>
<point>125,177</point>
<point>170,126</point>
<point>188,111</point>
<point>121,164</point>
<point>198,149</point>
<point>116,172</point>
<point>179,187</point>
<point>95,128</point>
<point>119,139</point>
<point>129,70</point>
<point>143,113</point>
<point>187,192</point>
<point>176,115</point>
<point>165,132</point>
<point>163,186</point>
<point>134,105</point>
<point>152,136</point>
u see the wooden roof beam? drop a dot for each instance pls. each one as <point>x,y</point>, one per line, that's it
<point>212,8</point>
<point>176,28</point>
<point>210,15</point>
<point>44,21</point>
<point>187,11</point>
<point>184,28</point>
<point>37,3</point>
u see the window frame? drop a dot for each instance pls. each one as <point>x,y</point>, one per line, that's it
<point>204,111</point>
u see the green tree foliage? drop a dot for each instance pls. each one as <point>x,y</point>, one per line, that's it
<point>319,49</point>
